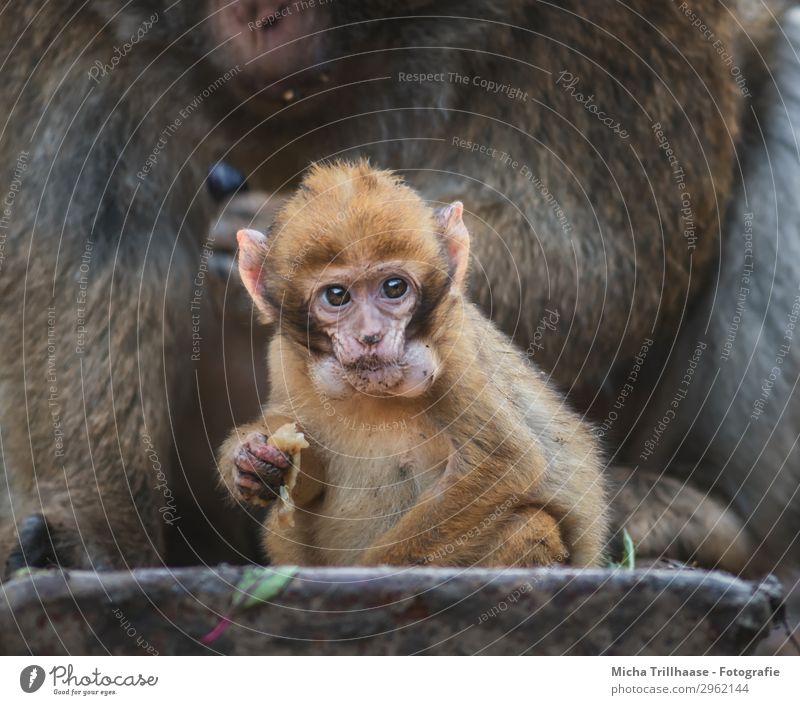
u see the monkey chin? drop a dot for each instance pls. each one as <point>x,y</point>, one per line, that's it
<point>410,376</point>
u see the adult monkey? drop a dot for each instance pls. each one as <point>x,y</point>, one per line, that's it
<point>542,116</point>
<point>735,436</point>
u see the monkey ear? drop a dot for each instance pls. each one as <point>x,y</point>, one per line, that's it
<point>252,256</point>
<point>455,238</point>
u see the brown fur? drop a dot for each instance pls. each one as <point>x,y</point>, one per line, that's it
<point>488,467</point>
<point>100,425</point>
<point>621,273</point>
<point>622,268</point>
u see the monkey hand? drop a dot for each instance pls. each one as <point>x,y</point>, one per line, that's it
<point>254,209</point>
<point>259,470</point>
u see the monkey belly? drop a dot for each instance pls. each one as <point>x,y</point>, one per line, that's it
<point>369,500</point>
<point>368,488</point>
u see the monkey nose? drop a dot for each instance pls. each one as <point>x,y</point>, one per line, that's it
<point>371,339</point>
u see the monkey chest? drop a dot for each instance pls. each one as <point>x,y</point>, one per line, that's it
<point>369,486</point>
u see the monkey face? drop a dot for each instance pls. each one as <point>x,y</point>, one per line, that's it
<point>286,50</point>
<point>274,43</point>
<point>359,271</point>
<point>365,314</point>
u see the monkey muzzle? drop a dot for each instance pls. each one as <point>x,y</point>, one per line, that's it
<point>409,374</point>
<point>374,375</point>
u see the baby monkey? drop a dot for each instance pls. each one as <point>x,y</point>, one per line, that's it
<point>432,440</point>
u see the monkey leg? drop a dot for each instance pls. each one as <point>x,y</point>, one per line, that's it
<point>531,538</point>
<point>34,547</point>
<point>97,528</point>
<point>519,536</point>
<point>462,522</point>
<point>89,457</point>
<point>667,518</point>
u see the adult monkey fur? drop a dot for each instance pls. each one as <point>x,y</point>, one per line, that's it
<point>478,462</point>
<point>736,435</point>
<point>592,224</point>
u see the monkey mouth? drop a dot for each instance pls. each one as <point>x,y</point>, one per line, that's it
<point>374,375</point>
<point>408,375</point>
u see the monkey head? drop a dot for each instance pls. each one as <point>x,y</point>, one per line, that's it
<point>263,47</point>
<point>288,49</point>
<point>361,274</point>
<point>276,52</point>
<point>276,44</point>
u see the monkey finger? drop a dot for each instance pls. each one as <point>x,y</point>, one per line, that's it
<point>249,464</point>
<point>249,487</point>
<point>268,454</point>
<point>254,472</point>
<point>255,209</point>
<point>253,495</point>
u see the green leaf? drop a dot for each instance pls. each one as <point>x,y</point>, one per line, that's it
<point>250,577</point>
<point>629,556</point>
<point>257,585</point>
<point>269,585</point>
<point>628,553</point>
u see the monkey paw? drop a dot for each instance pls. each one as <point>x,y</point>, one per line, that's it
<point>254,209</point>
<point>259,470</point>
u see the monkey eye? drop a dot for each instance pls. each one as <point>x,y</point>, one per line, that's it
<point>336,295</point>
<point>395,287</point>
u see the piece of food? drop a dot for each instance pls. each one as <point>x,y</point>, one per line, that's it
<point>289,440</point>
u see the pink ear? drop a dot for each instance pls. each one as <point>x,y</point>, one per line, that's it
<point>456,242</point>
<point>252,255</point>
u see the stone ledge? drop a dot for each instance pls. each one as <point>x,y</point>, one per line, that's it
<point>387,611</point>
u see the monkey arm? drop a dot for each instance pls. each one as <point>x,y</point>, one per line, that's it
<point>469,520</point>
